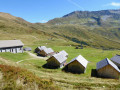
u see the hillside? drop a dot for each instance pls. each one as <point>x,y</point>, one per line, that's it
<point>90,18</point>
<point>12,27</point>
<point>100,27</point>
<point>22,71</point>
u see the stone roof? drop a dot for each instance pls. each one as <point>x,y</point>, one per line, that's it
<point>106,62</point>
<point>116,59</point>
<point>60,57</point>
<point>81,60</point>
<point>10,43</point>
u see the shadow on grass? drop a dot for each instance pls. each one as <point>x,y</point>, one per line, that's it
<point>94,73</point>
<point>49,66</point>
<point>39,55</point>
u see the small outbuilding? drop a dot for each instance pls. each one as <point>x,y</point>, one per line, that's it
<point>77,65</point>
<point>107,69</point>
<point>27,49</point>
<point>13,46</point>
<point>57,60</point>
<point>51,52</point>
<point>64,53</point>
<point>116,60</point>
<point>46,52</point>
<point>38,49</point>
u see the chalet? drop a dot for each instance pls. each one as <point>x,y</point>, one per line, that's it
<point>77,65</point>
<point>116,60</point>
<point>13,46</point>
<point>46,52</point>
<point>51,52</point>
<point>64,53</point>
<point>107,69</point>
<point>57,60</point>
<point>38,49</point>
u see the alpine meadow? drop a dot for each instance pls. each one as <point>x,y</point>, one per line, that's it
<point>93,34</point>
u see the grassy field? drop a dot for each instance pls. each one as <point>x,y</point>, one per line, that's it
<point>68,80</point>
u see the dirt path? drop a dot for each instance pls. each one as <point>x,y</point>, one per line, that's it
<point>35,56</point>
<point>25,60</point>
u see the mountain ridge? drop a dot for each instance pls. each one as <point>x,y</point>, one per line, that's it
<point>93,35</point>
<point>90,18</point>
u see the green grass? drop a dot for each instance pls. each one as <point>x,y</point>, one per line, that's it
<point>69,80</point>
<point>15,57</point>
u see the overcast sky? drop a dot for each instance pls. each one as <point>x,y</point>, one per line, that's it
<point>44,10</point>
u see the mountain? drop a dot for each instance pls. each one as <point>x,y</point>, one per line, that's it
<point>100,27</point>
<point>12,27</point>
<point>90,18</point>
<point>98,36</point>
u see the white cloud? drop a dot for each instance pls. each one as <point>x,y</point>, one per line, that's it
<point>74,3</point>
<point>43,21</point>
<point>115,4</point>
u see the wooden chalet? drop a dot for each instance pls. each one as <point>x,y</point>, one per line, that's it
<point>107,69</point>
<point>77,65</point>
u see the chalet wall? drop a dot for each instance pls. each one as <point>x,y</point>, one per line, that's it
<point>76,67</point>
<point>62,64</point>
<point>18,49</point>
<point>53,62</point>
<point>108,72</point>
<point>43,53</point>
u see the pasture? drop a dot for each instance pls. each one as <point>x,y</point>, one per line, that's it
<point>62,79</point>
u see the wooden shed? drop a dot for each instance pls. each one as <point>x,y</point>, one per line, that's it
<point>46,52</point>
<point>116,60</point>
<point>38,49</point>
<point>57,60</point>
<point>13,46</point>
<point>107,69</point>
<point>64,53</point>
<point>77,65</point>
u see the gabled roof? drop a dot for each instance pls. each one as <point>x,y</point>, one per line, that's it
<point>116,59</point>
<point>64,53</point>
<point>42,47</point>
<point>48,50</point>
<point>81,60</point>
<point>10,43</point>
<point>60,57</point>
<point>106,62</point>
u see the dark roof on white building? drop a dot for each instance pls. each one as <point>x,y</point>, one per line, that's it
<point>106,62</point>
<point>116,59</point>
<point>81,60</point>
<point>10,43</point>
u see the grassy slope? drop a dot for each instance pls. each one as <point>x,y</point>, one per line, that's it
<point>16,28</point>
<point>93,38</point>
<point>69,80</point>
<point>15,78</point>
